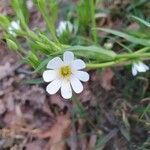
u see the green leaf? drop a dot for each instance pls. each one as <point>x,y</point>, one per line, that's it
<point>40,47</point>
<point>141,21</point>
<point>42,65</point>
<point>53,6</point>
<point>34,81</point>
<point>12,45</point>
<point>125,132</point>
<point>128,37</point>
<point>44,46</point>
<point>142,110</point>
<point>93,52</point>
<point>32,59</point>
<point>4,22</point>
<point>103,139</point>
<point>49,19</point>
<point>20,6</point>
<point>45,40</point>
<point>84,14</point>
<point>21,12</point>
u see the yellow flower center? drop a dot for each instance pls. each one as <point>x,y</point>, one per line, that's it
<point>65,71</point>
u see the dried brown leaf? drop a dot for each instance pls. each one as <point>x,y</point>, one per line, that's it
<point>57,100</point>
<point>35,145</point>
<point>2,107</point>
<point>92,142</point>
<point>57,133</point>
<point>106,79</point>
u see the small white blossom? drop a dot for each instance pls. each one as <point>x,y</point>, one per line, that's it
<point>65,26</point>
<point>66,75</point>
<point>14,25</point>
<point>108,45</point>
<point>139,67</point>
<point>29,4</point>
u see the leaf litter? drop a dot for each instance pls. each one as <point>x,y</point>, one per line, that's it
<point>32,120</point>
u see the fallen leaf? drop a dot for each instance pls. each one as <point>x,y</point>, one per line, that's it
<point>106,79</point>
<point>2,107</point>
<point>92,142</point>
<point>7,69</point>
<point>57,100</point>
<point>35,145</point>
<point>57,133</point>
<point>4,70</point>
<point>133,26</point>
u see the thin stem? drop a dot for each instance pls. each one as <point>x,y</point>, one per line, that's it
<point>133,55</point>
<point>143,50</point>
<point>94,32</point>
<point>50,22</point>
<point>145,111</point>
<point>51,29</point>
<point>79,104</point>
<point>102,65</point>
<point>119,59</point>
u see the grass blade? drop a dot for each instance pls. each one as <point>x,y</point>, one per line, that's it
<point>128,37</point>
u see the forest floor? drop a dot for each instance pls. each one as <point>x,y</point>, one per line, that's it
<point>107,115</point>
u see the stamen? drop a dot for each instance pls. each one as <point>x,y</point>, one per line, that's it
<point>65,71</point>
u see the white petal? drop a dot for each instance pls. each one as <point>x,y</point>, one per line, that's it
<point>15,25</point>
<point>54,86</point>
<point>68,57</point>
<point>61,28</point>
<point>69,25</point>
<point>142,67</point>
<point>134,71</point>
<point>64,26</point>
<point>76,85</point>
<point>146,67</point>
<point>139,67</point>
<point>29,4</point>
<point>49,75</point>
<point>82,75</point>
<point>78,64</point>
<point>54,63</point>
<point>66,90</point>
<point>11,31</point>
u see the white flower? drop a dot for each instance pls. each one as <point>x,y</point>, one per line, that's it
<point>108,45</point>
<point>65,75</point>
<point>65,26</point>
<point>29,4</point>
<point>14,25</point>
<point>139,67</point>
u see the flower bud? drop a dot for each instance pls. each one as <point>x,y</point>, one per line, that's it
<point>12,45</point>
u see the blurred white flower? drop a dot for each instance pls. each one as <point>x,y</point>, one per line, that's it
<point>65,26</point>
<point>108,45</point>
<point>65,75</point>
<point>139,67</point>
<point>29,4</point>
<point>14,25</point>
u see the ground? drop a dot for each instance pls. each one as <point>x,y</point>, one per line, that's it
<point>107,115</point>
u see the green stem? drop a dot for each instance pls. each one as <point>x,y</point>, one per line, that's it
<point>49,22</point>
<point>51,28</point>
<point>132,55</point>
<point>94,32</point>
<point>102,65</point>
<point>143,50</point>
<point>119,59</point>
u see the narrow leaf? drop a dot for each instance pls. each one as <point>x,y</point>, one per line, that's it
<point>128,37</point>
<point>141,21</point>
